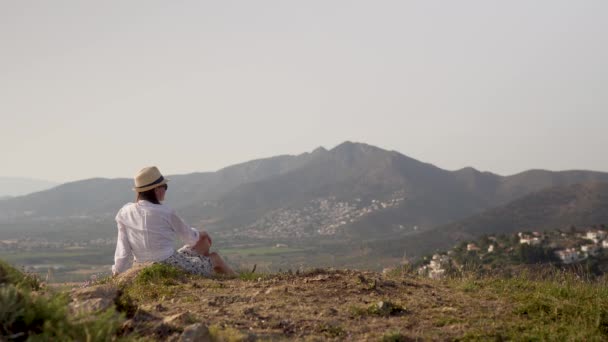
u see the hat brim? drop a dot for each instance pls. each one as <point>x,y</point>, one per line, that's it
<point>146,188</point>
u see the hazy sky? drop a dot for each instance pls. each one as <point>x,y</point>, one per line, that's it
<point>101,89</point>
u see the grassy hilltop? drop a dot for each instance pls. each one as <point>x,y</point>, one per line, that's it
<point>162,303</point>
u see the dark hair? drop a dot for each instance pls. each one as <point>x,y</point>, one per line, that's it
<point>149,196</point>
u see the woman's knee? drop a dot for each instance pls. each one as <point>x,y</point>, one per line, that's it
<point>215,258</point>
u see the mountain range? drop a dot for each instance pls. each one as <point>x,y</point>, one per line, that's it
<point>17,186</point>
<point>353,190</point>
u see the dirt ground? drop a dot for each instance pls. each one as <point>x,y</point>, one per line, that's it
<point>321,305</point>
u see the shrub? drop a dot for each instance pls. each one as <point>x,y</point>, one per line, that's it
<point>25,315</point>
<point>9,275</point>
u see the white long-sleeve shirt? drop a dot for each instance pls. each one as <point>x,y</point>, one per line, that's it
<point>147,232</point>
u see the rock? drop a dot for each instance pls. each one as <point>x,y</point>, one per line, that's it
<point>179,319</point>
<point>163,330</point>
<point>91,299</point>
<point>90,305</point>
<point>197,332</point>
<point>128,326</point>
<point>144,316</point>
<point>388,270</point>
<point>99,291</point>
<point>389,283</point>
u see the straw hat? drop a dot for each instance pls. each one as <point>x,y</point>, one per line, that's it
<point>148,178</point>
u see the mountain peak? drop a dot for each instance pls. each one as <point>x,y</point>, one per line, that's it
<point>351,147</point>
<point>319,150</point>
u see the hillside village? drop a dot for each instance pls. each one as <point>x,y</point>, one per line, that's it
<point>491,252</point>
<point>322,216</point>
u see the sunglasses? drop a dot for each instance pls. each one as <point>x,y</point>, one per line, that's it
<point>165,186</point>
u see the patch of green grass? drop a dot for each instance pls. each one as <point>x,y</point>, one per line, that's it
<point>155,281</point>
<point>190,299</point>
<point>443,321</point>
<point>468,283</point>
<point>331,330</point>
<point>226,334</point>
<point>563,307</point>
<point>160,273</point>
<point>393,336</point>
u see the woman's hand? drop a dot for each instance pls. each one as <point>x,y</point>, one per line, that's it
<point>203,245</point>
<point>205,234</point>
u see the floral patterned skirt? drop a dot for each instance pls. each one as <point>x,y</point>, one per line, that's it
<point>190,262</point>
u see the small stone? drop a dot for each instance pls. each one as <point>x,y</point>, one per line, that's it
<point>179,319</point>
<point>128,326</point>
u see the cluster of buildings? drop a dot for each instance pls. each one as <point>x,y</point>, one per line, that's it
<point>323,216</point>
<point>436,268</point>
<point>594,241</point>
<point>597,242</point>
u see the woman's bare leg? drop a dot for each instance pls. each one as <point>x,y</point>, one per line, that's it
<point>219,265</point>
<point>202,246</point>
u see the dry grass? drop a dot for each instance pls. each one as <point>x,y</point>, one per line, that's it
<point>324,304</point>
<point>365,306</point>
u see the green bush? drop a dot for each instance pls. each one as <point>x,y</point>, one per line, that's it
<point>9,275</point>
<point>43,316</point>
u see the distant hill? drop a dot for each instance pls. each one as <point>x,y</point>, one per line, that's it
<point>579,205</point>
<point>582,204</point>
<point>354,189</point>
<point>15,186</point>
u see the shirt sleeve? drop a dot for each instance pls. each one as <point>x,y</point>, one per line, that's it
<point>123,257</point>
<point>187,234</point>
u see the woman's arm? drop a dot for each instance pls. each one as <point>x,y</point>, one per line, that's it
<point>187,234</point>
<point>123,257</point>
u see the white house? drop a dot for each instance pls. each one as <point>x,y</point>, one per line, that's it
<point>605,244</point>
<point>490,248</point>
<point>568,256</point>
<point>472,247</point>
<point>532,241</point>
<point>438,261</point>
<point>590,249</point>
<point>436,274</point>
<point>595,235</point>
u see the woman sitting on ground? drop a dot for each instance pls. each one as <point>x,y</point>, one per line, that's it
<point>147,231</point>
